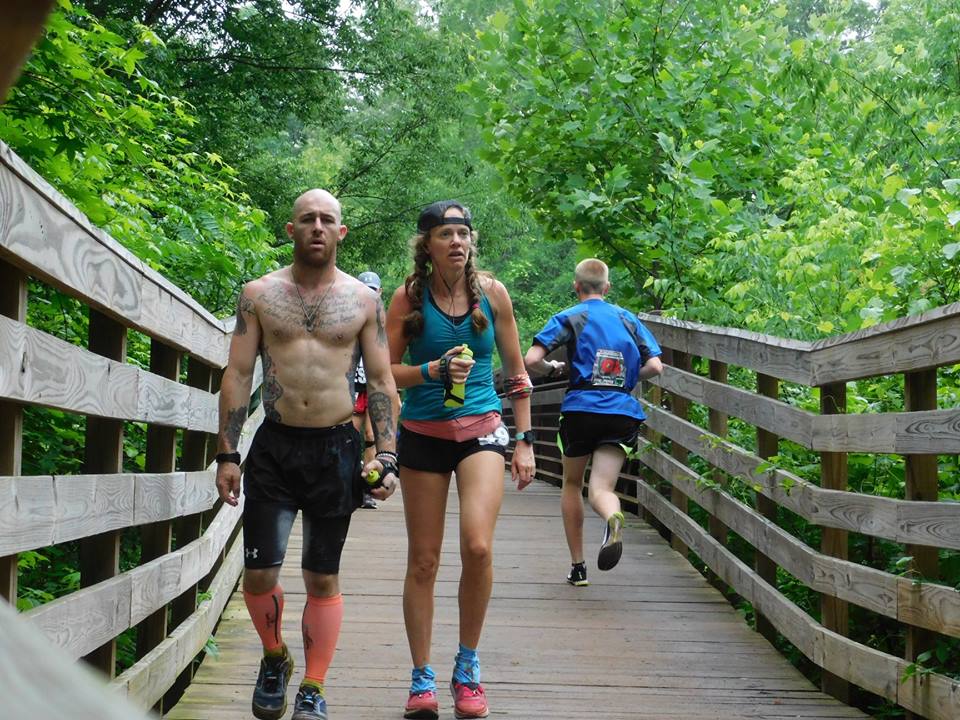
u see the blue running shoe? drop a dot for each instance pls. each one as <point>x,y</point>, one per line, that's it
<point>270,692</point>
<point>310,704</point>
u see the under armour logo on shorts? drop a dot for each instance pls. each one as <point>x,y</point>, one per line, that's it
<point>251,553</point>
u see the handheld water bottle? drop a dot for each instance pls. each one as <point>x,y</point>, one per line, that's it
<point>455,396</point>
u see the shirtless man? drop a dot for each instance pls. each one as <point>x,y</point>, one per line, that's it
<point>309,323</point>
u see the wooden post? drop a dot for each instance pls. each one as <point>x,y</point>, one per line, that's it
<point>718,426</point>
<point>207,517</point>
<point>920,393</point>
<point>680,407</point>
<point>155,538</point>
<point>13,304</point>
<point>103,454</point>
<point>768,445</point>
<point>835,613</point>
<point>187,529</point>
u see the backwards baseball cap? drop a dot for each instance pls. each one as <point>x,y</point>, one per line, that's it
<point>432,216</point>
<point>370,279</point>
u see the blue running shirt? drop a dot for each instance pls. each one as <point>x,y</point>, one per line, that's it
<point>606,347</point>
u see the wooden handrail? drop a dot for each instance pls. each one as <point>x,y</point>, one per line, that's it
<point>922,605</point>
<point>44,236</point>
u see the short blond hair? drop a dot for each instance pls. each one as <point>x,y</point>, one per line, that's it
<point>592,274</point>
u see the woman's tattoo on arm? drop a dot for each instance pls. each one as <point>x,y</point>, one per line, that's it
<point>233,425</point>
<point>381,416</point>
<point>272,389</point>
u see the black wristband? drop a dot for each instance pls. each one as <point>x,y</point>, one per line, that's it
<point>231,457</point>
<point>389,468</point>
<point>391,455</point>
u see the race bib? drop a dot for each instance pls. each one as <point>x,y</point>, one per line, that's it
<point>609,369</point>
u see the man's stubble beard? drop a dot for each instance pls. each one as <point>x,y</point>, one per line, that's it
<point>302,256</point>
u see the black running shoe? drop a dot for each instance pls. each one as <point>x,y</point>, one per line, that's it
<point>310,704</point>
<point>578,575</point>
<point>270,693</point>
<point>612,546</point>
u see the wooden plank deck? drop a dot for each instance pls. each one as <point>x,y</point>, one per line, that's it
<point>650,639</point>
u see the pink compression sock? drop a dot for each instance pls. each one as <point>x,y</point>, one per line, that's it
<point>266,611</point>
<point>321,629</point>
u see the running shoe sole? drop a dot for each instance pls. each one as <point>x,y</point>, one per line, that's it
<point>609,555</point>
<point>612,547</point>
<point>578,583</point>
<point>421,714</point>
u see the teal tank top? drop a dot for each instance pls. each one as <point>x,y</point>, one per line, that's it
<point>440,333</point>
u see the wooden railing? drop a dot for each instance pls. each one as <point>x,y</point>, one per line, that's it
<point>43,236</point>
<point>663,483</point>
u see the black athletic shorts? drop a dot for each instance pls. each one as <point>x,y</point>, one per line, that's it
<point>430,454</point>
<point>316,470</point>
<point>583,432</point>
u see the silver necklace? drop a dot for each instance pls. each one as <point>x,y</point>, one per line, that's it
<point>310,318</point>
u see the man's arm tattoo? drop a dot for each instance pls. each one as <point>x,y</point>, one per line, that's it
<point>272,389</point>
<point>381,329</point>
<point>381,417</point>
<point>233,425</point>
<point>244,305</point>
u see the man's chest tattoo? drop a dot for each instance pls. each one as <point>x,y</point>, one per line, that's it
<point>339,316</point>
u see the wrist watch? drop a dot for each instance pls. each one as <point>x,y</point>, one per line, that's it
<point>526,436</point>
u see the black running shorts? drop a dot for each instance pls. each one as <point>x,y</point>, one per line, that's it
<point>316,470</point>
<point>583,432</point>
<point>430,454</point>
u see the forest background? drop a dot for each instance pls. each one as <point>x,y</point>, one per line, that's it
<point>786,167</point>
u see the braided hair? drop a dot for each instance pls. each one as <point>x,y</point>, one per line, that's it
<point>418,279</point>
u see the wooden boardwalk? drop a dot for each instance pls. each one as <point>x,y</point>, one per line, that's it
<point>650,639</point>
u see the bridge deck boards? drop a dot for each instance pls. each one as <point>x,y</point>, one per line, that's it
<point>650,639</point>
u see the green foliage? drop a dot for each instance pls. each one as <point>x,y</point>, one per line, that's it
<point>744,168</point>
<point>107,136</point>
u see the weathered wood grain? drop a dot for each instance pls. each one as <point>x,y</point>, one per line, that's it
<point>36,511</point>
<point>39,369</point>
<point>931,339</point>
<point>777,417</point>
<point>872,589</point>
<point>38,680</point>
<point>780,357</point>
<point>148,679</point>
<point>925,432</point>
<point>45,234</point>
<point>936,524</point>
<point>13,305</point>
<point>927,340</point>
<point>88,618</point>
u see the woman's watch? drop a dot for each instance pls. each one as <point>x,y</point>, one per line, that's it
<point>526,437</point>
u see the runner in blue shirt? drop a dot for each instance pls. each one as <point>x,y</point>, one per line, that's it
<point>609,351</point>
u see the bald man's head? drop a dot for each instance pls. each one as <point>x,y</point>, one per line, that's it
<point>314,196</point>
<point>315,228</point>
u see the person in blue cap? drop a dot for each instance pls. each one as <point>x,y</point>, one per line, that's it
<point>361,418</point>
